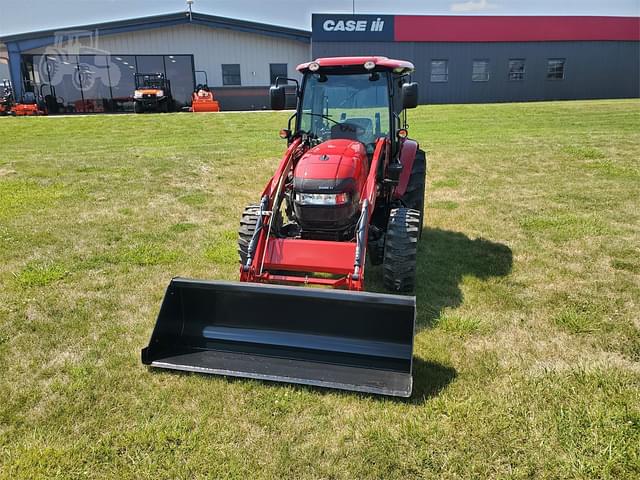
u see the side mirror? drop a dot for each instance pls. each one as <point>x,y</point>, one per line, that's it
<point>409,95</point>
<point>277,98</point>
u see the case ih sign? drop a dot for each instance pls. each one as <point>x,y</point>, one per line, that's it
<point>359,28</point>
<point>463,28</point>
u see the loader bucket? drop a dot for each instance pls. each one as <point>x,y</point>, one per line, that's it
<point>328,338</point>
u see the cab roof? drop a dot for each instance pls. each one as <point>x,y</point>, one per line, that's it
<point>382,63</point>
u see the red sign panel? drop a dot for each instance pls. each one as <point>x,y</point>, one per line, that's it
<point>458,28</point>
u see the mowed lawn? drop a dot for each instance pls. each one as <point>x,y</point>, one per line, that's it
<point>527,354</point>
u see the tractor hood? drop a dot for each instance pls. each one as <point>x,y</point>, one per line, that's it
<point>333,166</point>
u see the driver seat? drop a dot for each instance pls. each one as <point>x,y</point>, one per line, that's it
<point>348,129</point>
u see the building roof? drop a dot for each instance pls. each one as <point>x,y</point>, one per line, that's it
<point>28,40</point>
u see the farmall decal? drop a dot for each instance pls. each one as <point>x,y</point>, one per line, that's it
<point>355,28</point>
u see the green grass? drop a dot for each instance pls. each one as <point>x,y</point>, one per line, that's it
<point>527,356</point>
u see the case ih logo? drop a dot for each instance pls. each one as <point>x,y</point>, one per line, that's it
<point>355,28</point>
<point>353,25</point>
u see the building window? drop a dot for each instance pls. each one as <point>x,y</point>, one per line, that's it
<point>516,69</point>
<point>555,69</point>
<point>230,74</point>
<point>480,71</point>
<point>278,70</point>
<point>439,70</point>
<point>179,70</point>
<point>97,83</point>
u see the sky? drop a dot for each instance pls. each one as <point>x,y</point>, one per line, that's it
<point>18,16</point>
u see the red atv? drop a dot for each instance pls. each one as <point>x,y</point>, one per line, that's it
<point>350,183</point>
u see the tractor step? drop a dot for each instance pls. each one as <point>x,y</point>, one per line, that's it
<point>329,338</point>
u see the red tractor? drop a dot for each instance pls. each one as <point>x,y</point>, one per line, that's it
<point>350,183</point>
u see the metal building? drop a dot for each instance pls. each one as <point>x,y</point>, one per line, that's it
<point>91,68</point>
<point>461,59</point>
<point>458,59</point>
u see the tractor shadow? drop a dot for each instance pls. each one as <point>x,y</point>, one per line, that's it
<point>429,379</point>
<point>444,259</point>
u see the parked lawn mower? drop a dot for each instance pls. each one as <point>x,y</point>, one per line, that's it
<point>202,98</point>
<point>152,94</point>
<point>350,184</point>
<point>6,98</point>
<point>28,105</point>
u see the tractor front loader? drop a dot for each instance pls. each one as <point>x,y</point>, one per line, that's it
<point>350,186</point>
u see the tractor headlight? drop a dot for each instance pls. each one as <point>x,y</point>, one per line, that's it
<point>322,198</point>
<point>137,94</point>
<point>159,93</point>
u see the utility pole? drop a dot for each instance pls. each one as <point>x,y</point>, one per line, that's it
<point>353,6</point>
<point>189,4</point>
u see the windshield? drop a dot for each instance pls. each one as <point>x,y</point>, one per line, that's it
<point>150,81</point>
<point>352,106</point>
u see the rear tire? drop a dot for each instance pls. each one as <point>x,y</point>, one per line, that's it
<point>248,223</point>
<point>400,248</point>
<point>414,196</point>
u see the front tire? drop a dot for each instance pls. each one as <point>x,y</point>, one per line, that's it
<point>248,223</point>
<point>414,196</point>
<point>400,249</point>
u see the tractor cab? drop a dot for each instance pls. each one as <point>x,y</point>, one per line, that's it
<point>358,98</point>
<point>345,106</point>
<point>152,93</point>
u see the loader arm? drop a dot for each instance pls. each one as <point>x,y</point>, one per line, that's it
<point>306,258</point>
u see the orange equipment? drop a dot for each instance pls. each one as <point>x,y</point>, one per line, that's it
<point>28,106</point>
<point>6,98</point>
<point>203,101</point>
<point>26,110</point>
<point>202,98</point>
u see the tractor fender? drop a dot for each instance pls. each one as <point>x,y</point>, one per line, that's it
<point>408,149</point>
